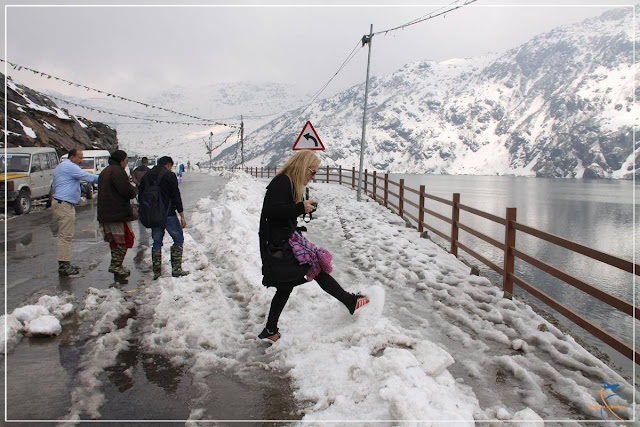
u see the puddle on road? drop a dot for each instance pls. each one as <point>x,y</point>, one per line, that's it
<point>139,386</point>
<point>144,385</point>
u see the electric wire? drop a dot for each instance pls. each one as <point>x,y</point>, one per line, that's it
<point>315,96</point>
<point>429,16</point>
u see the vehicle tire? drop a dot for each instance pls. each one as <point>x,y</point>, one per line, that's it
<point>22,204</point>
<point>49,201</point>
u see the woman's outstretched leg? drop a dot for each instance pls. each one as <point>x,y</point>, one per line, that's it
<point>333,288</point>
<point>277,305</point>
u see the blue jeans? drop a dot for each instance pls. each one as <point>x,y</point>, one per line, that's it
<point>175,231</point>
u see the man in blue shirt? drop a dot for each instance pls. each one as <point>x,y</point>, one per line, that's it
<point>66,194</point>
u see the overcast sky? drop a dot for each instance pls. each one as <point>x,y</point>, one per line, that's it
<point>135,51</point>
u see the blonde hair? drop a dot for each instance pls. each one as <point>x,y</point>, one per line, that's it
<point>296,168</point>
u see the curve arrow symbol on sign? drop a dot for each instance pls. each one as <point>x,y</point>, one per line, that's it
<point>308,136</point>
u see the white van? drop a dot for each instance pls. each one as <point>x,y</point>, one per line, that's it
<point>27,174</point>
<point>94,162</point>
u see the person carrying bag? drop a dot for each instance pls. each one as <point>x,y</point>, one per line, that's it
<point>159,199</point>
<point>281,267</point>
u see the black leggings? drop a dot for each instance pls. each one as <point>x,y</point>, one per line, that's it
<point>326,282</point>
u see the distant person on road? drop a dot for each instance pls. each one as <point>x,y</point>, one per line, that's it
<point>180,171</point>
<point>278,234</point>
<point>188,165</point>
<point>162,176</point>
<point>115,212</point>
<point>66,194</point>
<point>139,172</point>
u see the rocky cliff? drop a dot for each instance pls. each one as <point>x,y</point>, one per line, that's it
<point>34,120</point>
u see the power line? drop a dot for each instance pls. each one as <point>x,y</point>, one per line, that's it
<point>344,64</point>
<point>312,98</point>
<point>88,88</point>
<point>438,12</point>
<point>429,16</point>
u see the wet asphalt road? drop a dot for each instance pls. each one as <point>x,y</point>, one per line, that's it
<point>41,371</point>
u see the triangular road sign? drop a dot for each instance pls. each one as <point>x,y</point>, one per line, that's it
<point>308,139</point>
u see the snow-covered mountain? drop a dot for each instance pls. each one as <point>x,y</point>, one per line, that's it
<point>222,102</point>
<point>559,105</point>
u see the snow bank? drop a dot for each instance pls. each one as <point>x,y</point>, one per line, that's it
<point>40,319</point>
<point>342,367</point>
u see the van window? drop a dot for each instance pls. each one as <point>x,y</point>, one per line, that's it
<point>17,162</point>
<point>36,165</point>
<point>53,160</point>
<point>44,160</point>
<point>88,163</point>
<point>36,162</point>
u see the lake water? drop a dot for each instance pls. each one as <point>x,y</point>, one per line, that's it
<point>596,213</point>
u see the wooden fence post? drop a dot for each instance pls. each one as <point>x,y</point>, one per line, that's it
<point>353,177</point>
<point>261,171</point>
<point>327,174</point>
<point>455,217</point>
<point>375,174</point>
<point>509,260</point>
<point>386,189</point>
<point>340,174</point>
<point>401,199</point>
<point>365,182</point>
<point>420,210</point>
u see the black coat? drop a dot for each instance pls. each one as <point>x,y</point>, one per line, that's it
<point>169,190</point>
<point>277,221</point>
<point>114,195</point>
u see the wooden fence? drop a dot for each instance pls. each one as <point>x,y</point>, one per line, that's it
<point>381,189</point>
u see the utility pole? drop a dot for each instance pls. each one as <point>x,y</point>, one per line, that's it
<point>242,141</point>
<point>365,39</point>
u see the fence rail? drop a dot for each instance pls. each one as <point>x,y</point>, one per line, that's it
<point>380,193</point>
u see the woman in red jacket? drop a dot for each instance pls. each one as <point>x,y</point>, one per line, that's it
<point>283,203</point>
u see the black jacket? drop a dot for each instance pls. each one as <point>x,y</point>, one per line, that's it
<point>277,222</point>
<point>168,187</point>
<point>114,195</point>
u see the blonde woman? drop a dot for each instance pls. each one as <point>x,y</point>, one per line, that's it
<point>283,204</point>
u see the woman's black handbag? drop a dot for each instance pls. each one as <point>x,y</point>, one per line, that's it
<point>283,264</point>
